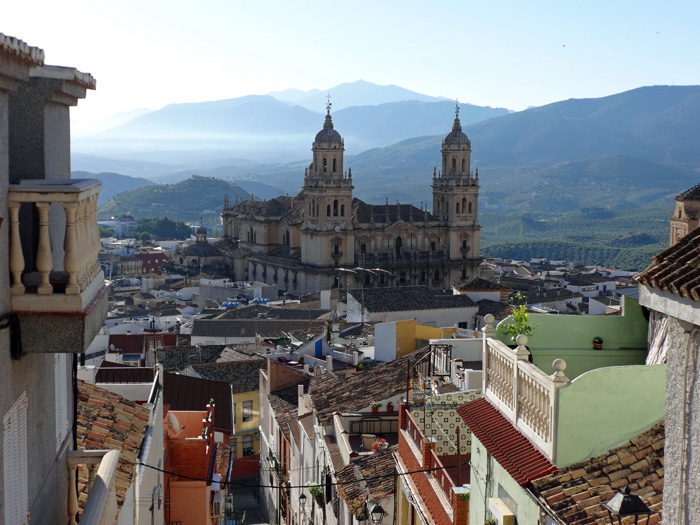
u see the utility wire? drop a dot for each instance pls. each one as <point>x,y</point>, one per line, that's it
<point>336,483</point>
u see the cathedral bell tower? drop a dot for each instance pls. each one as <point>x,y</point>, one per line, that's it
<point>327,200</point>
<point>456,194</point>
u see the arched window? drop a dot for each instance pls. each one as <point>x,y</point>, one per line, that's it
<point>436,277</point>
<point>335,208</point>
<point>333,165</point>
<point>457,208</point>
<point>470,207</point>
<point>325,164</point>
<point>318,213</point>
<point>464,165</point>
<point>342,210</point>
<point>328,210</point>
<point>454,165</point>
<point>464,205</point>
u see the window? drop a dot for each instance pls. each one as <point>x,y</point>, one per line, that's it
<point>363,248</point>
<point>333,165</point>
<point>470,207</point>
<point>457,208</point>
<point>464,165</point>
<point>342,210</point>
<point>247,411</point>
<point>454,165</point>
<point>14,429</point>
<point>325,164</point>
<point>335,208</point>
<point>61,397</point>
<point>248,449</point>
<point>432,246</point>
<point>328,210</point>
<point>336,249</point>
<point>436,277</point>
<point>402,277</point>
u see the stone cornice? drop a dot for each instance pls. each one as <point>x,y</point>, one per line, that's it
<point>17,48</point>
<point>67,74</point>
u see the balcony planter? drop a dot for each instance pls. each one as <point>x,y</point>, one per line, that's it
<point>597,343</point>
<point>390,407</point>
<point>375,406</point>
<point>317,494</point>
<point>380,445</point>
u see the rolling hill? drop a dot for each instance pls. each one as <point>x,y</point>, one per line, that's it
<point>188,200</point>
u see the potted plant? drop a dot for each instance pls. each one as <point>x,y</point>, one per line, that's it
<point>597,343</point>
<point>521,319</point>
<point>380,445</point>
<point>316,493</point>
<point>375,406</point>
<point>390,407</point>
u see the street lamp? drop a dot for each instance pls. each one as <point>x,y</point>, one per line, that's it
<point>302,506</point>
<point>626,504</point>
<point>377,514</point>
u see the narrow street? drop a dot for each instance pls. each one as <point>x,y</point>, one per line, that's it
<point>245,500</point>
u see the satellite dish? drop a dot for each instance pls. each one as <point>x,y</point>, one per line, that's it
<point>111,347</point>
<point>174,424</point>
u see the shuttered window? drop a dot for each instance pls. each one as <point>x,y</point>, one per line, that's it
<point>14,438</point>
<point>61,395</point>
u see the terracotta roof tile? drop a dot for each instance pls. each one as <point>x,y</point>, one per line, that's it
<point>676,269</point>
<point>523,461</point>
<point>97,431</point>
<point>358,391</point>
<point>576,494</point>
<point>376,470</point>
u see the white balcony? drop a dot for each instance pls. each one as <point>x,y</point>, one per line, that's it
<point>54,243</point>
<point>101,504</point>
<point>522,392</point>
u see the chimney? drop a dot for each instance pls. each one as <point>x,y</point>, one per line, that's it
<point>329,363</point>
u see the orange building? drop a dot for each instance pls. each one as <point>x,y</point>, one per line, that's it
<point>196,459</point>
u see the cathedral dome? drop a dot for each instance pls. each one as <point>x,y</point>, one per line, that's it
<point>201,230</point>
<point>456,136</point>
<point>328,134</point>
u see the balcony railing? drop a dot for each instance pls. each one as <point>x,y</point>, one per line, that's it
<point>54,246</point>
<point>101,504</point>
<point>441,476</point>
<point>414,431</point>
<point>79,266</point>
<point>523,393</point>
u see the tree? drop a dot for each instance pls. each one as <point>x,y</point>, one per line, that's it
<point>105,232</point>
<point>521,322</point>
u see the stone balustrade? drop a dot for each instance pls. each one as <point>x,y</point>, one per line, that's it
<point>522,392</point>
<point>101,504</point>
<point>54,246</point>
<point>73,235</point>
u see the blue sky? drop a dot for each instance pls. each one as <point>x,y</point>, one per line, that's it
<point>510,54</point>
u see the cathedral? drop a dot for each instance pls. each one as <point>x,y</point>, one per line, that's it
<point>325,238</point>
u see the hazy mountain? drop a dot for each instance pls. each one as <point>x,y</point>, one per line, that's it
<point>260,127</point>
<point>112,183</point>
<point>358,93</point>
<point>186,200</point>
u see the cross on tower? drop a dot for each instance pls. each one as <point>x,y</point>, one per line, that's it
<point>328,105</point>
<point>457,108</point>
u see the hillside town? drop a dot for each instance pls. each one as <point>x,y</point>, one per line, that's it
<point>325,360</point>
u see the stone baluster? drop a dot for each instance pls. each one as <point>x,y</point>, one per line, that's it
<point>94,239</point>
<point>92,469</point>
<point>559,380</point>
<point>71,262</point>
<point>82,238</point>
<point>521,354</point>
<point>72,496</point>
<point>16,254</point>
<point>44,261</point>
<point>489,330</point>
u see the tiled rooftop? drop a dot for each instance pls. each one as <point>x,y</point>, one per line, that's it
<point>403,298</point>
<point>192,393</point>
<point>376,473</point>
<point>108,421</point>
<point>677,269</point>
<point>693,194</point>
<point>576,494</point>
<point>358,391</point>
<point>477,284</point>
<point>180,357</point>
<point>243,376</point>
<point>251,327</point>
<point>515,453</point>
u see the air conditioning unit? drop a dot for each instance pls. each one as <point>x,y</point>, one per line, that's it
<point>217,506</point>
<point>501,512</point>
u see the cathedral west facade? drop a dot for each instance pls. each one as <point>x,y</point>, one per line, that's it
<point>308,242</point>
